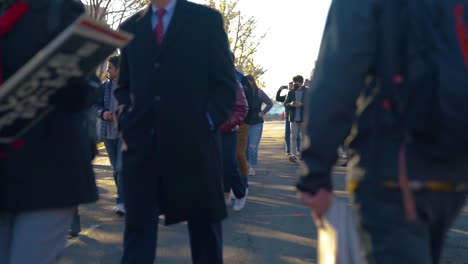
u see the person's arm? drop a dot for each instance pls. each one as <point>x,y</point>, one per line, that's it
<point>288,100</point>
<point>266,100</point>
<point>99,106</point>
<point>223,81</point>
<point>240,109</point>
<point>344,61</point>
<point>280,98</point>
<point>122,93</point>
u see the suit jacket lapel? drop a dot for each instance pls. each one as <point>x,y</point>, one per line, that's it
<point>146,33</point>
<point>177,23</point>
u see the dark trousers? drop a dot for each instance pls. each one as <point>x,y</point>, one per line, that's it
<point>287,137</point>
<point>140,165</point>
<point>75,226</point>
<point>232,178</point>
<point>140,239</point>
<point>386,235</point>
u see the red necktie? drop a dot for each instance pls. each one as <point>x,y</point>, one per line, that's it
<point>159,31</point>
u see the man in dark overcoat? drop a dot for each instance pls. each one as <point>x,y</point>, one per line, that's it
<point>177,86</point>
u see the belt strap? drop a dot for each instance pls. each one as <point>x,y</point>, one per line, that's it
<point>408,199</point>
<point>432,186</point>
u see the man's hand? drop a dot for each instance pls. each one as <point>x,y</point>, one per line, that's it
<point>120,109</point>
<point>298,104</point>
<point>108,116</point>
<point>318,203</point>
<point>260,114</point>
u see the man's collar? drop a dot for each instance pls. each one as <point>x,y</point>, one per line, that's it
<point>169,7</point>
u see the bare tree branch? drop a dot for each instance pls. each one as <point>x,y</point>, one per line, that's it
<point>112,12</point>
<point>242,34</point>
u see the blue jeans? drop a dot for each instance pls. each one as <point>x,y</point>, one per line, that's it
<point>113,147</point>
<point>287,137</point>
<point>232,178</point>
<point>255,135</point>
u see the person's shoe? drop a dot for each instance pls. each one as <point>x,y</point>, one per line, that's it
<point>239,204</point>
<point>288,154</point>
<point>120,209</point>
<point>74,230</point>
<point>252,171</point>
<point>293,159</point>
<point>72,234</point>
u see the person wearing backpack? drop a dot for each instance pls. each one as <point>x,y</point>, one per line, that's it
<point>232,180</point>
<point>407,62</point>
<point>47,173</point>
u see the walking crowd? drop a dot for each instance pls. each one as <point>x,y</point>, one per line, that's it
<point>182,128</point>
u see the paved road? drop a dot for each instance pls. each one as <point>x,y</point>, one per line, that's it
<point>272,228</point>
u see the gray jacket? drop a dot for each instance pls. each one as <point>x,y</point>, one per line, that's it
<point>347,56</point>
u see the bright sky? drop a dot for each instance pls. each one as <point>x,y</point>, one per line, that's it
<point>294,30</point>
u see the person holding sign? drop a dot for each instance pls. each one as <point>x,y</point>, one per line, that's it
<point>47,172</point>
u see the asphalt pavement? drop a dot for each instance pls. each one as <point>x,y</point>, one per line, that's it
<point>273,227</point>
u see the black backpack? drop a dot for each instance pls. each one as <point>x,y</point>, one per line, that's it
<point>423,75</point>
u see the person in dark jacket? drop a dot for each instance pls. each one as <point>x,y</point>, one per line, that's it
<point>256,123</point>
<point>172,163</point>
<point>45,174</point>
<point>279,97</point>
<point>232,178</point>
<point>393,229</point>
<point>287,125</point>
<point>294,103</point>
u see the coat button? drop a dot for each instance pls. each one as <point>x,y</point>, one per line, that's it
<point>156,65</point>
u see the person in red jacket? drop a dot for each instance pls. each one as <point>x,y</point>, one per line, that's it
<point>232,177</point>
